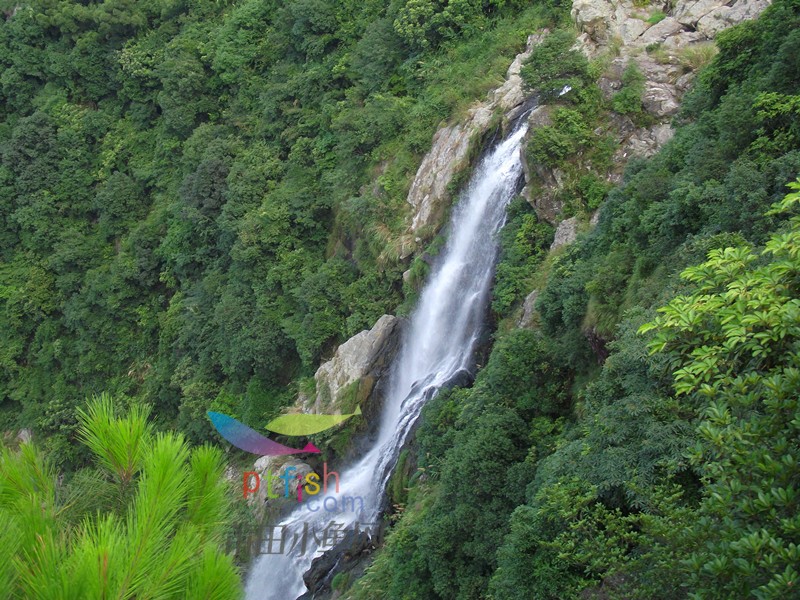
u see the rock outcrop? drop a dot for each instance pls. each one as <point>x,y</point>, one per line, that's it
<point>448,155</point>
<point>667,43</point>
<point>682,25</point>
<point>350,555</point>
<point>566,233</point>
<point>528,310</point>
<point>709,17</point>
<point>452,147</point>
<point>604,22</point>
<point>350,376</point>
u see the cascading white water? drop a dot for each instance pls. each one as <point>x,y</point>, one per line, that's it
<point>439,342</point>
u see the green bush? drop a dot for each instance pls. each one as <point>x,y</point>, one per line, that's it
<point>553,65</point>
<point>552,144</point>
<point>524,241</point>
<point>628,100</point>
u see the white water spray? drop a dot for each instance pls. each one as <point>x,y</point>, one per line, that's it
<point>439,343</point>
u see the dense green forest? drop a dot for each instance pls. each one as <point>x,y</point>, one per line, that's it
<point>185,215</point>
<point>200,200</point>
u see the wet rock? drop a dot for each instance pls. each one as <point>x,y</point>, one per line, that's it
<point>461,378</point>
<point>344,557</point>
<point>265,463</point>
<point>601,23</point>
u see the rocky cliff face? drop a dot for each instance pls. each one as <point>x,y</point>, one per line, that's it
<point>349,378</point>
<point>452,146</point>
<point>668,42</point>
<point>661,38</point>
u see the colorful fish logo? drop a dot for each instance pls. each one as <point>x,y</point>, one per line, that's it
<point>249,440</point>
<point>306,424</point>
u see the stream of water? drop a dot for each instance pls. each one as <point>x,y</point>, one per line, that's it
<point>439,342</point>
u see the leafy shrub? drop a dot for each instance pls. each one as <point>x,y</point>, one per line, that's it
<point>734,357</point>
<point>524,241</point>
<point>551,144</point>
<point>593,190</point>
<point>422,24</point>
<point>628,100</point>
<point>553,65</point>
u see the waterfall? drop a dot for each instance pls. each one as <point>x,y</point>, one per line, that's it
<point>439,343</point>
